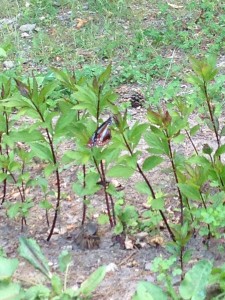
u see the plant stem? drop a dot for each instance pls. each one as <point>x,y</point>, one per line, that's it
<point>170,288</point>
<point>103,180</point>
<point>211,113</point>
<point>46,215</point>
<point>7,153</point>
<point>57,204</point>
<point>176,177</point>
<point>58,183</point>
<point>181,262</point>
<point>22,196</point>
<point>204,204</point>
<point>106,194</point>
<point>151,189</point>
<point>98,104</point>
<point>190,139</point>
<point>66,276</point>
<point>113,210</point>
<point>218,175</point>
<point>18,188</point>
<point>84,198</point>
<point>189,208</point>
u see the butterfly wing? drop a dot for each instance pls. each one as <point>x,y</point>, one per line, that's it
<point>102,135</point>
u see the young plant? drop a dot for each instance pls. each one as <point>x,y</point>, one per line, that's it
<point>34,104</point>
<point>204,72</point>
<point>127,164</point>
<point>55,288</point>
<point>193,286</point>
<point>5,113</point>
<point>91,99</point>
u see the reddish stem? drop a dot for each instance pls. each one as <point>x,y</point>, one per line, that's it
<point>84,198</point>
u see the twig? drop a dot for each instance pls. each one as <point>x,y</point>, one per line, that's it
<point>125,260</point>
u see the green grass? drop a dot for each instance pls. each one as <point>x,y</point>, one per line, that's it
<point>138,37</point>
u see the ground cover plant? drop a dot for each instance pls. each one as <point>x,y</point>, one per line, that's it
<point>66,137</point>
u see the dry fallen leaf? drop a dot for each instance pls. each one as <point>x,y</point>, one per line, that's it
<point>128,243</point>
<point>70,227</point>
<point>81,22</point>
<point>174,5</point>
<point>156,241</point>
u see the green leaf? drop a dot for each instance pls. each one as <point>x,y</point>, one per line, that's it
<point>42,151</point>
<point>56,284</point>
<point>26,136</point>
<point>160,145</point>
<point>194,129</point>
<point>149,291</point>
<point>118,228</point>
<point>46,90</point>
<point>90,284</point>
<point>151,162</point>
<point>207,149</point>
<point>64,77</point>
<point>65,259</point>
<point>179,138</point>
<point>158,203</point>
<point>222,132</point>
<point>129,215</point>
<point>103,219</point>
<point>80,157</point>
<point>136,132</point>
<point>190,191</point>
<point>49,170</point>
<point>194,80</point>
<point>220,150</point>
<point>104,77</point>
<point>8,267</point>
<point>142,187</point>
<point>64,122</point>
<point>45,204</point>
<point>30,250</point>
<point>187,256</point>
<point>121,171</point>
<point>195,281</point>
<point>2,52</point>
<point>10,291</point>
<point>37,292</point>
<point>13,210</point>
<point>209,124</point>
<point>3,176</point>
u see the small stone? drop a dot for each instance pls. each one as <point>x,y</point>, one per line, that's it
<point>80,279</point>
<point>8,64</point>
<point>27,27</point>
<point>115,182</point>
<point>24,35</point>
<point>141,235</point>
<point>75,287</point>
<point>7,21</point>
<point>111,267</point>
<point>56,230</point>
<point>148,266</point>
<point>68,247</point>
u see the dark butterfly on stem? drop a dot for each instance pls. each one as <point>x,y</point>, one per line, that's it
<point>102,135</point>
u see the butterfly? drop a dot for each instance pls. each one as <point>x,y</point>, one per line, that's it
<point>102,135</point>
